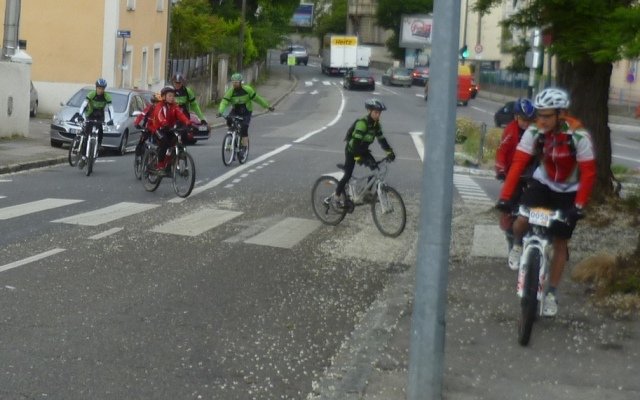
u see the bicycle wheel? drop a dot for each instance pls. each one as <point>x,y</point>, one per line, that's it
<point>74,151</point>
<point>322,201</point>
<point>389,213</point>
<point>91,158</point>
<point>184,174</point>
<point>227,149</point>
<point>150,179</point>
<point>137,165</point>
<point>529,301</point>
<point>243,152</point>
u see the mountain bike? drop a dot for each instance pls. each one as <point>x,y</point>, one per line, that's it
<point>84,138</point>
<point>182,168</point>
<point>387,207</point>
<point>231,144</point>
<point>139,155</point>
<point>533,272</point>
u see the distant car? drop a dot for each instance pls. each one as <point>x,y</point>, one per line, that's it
<point>359,78</point>
<point>504,115</point>
<point>300,52</point>
<point>419,75</point>
<point>121,136</point>
<point>33,101</point>
<point>396,76</point>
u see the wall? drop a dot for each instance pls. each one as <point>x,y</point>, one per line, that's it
<point>14,81</point>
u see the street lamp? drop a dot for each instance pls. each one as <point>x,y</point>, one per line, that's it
<point>242,23</point>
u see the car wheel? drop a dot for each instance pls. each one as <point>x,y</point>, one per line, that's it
<point>55,143</point>
<point>35,110</point>
<point>122,150</point>
<point>305,63</point>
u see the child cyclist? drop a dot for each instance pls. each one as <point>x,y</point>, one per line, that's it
<point>165,115</point>
<point>365,130</point>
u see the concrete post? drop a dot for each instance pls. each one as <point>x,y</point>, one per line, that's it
<point>223,67</point>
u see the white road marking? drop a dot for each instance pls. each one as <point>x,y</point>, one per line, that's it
<point>314,92</point>
<point>470,191</point>
<point>333,122</point>
<point>3,197</point>
<point>326,83</point>
<point>6,180</point>
<point>627,158</point>
<point>627,146</point>
<point>482,110</point>
<point>419,143</point>
<point>286,233</point>
<point>30,259</point>
<point>107,214</point>
<point>308,83</point>
<point>197,222</point>
<point>105,233</point>
<point>34,206</point>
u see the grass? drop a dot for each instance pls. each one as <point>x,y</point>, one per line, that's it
<point>473,133</point>
<point>13,136</point>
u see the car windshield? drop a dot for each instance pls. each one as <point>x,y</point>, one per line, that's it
<point>298,49</point>
<point>118,100</point>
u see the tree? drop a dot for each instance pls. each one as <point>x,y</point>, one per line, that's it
<point>587,37</point>
<point>389,16</point>
<point>334,20</point>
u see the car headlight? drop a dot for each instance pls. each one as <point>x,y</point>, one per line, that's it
<point>57,120</point>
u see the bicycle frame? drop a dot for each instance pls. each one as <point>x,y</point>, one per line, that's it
<point>373,183</point>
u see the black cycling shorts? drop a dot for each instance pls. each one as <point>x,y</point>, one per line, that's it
<point>538,194</point>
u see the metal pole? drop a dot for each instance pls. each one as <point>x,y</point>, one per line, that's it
<point>426,354</point>
<point>241,55</point>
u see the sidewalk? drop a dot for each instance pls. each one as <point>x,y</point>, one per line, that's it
<point>35,150</point>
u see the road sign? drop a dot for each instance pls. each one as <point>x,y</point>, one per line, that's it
<point>291,59</point>
<point>478,48</point>
<point>124,34</point>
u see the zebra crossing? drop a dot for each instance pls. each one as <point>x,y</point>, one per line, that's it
<point>472,194</point>
<point>283,232</point>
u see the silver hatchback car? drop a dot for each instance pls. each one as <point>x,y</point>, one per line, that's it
<point>122,136</point>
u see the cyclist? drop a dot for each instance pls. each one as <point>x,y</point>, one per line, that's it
<point>365,130</point>
<point>241,97</point>
<point>524,115</point>
<point>144,121</point>
<point>563,179</point>
<point>186,98</point>
<point>94,105</point>
<point>166,114</point>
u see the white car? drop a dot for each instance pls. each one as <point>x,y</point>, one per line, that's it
<point>120,137</point>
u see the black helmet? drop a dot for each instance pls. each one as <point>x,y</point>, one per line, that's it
<point>374,104</point>
<point>101,83</point>
<point>178,78</point>
<point>167,89</point>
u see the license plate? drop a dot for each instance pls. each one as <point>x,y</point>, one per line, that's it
<point>364,80</point>
<point>74,130</point>
<point>540,216</point>
<point>203,128</point>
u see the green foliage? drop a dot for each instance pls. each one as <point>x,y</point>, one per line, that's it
<point>333,21</point>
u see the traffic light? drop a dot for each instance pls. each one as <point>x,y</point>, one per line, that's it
<point>464,52</point>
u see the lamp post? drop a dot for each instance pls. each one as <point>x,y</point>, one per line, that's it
<point>242,23</point>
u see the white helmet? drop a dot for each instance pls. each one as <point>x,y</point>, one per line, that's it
<point>551,98</point>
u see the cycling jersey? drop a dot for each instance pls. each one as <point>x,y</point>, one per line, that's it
<point>94,106</point>
<point>364,132</point>
<point>186,100</point>
<point>166,115</point>
<point>507,148</point>
<point>567,160</point>
<point>241,99</point>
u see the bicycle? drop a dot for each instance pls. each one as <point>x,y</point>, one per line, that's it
<point>387,207</point>
<point>75,156</point>
<point>139,155</point>
<point>231,144</point>
<point>533,271</point>
<point>183,168</point>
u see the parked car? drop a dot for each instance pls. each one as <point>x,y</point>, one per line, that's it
<point>419,75</point>
<point>121,136</point>
<point>504,115</point>
<point>302,56</point>
<point>396,76</point>
<point>359,78</point>
<point>33,101</point>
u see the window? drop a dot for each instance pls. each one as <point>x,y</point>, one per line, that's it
<point>126,69</point>
<point>131,5</point>
<point>160,5</point>
<point>156,64</point>
<point>143,70</point>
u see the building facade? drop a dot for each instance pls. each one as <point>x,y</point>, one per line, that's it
<point>74,42</point>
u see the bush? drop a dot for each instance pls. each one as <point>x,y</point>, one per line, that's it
<point>470,146</point>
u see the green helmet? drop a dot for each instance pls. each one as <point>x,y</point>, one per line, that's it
<point>237,77</point>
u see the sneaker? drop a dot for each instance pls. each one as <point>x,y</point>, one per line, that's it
<point>241,151</point>
<point>514,257</point>
<point>550,306</point>
<point>82,162</point>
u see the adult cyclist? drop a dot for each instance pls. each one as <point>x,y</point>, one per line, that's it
<point>93,108</point>
<point>365,130</point>
<point>186,98</point>
<point>524,115</point>
<point>240,98</point>
<point>563,179</point>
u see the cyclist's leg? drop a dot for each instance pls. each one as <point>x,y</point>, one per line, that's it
<point>349,165</point>
<point>100,134</point>
<point>244,132</point>
<point>561,234</point>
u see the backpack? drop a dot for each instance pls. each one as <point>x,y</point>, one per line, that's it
<point>347,137</point>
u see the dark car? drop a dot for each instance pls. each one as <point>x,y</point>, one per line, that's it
<point>300,52</point>
<point>504,115</point>
<point>358,78</point>
<point>396,76</point>
<point>420,75</point>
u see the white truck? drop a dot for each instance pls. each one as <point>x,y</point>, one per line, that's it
<point>339,53</point>
<point>364,56</point>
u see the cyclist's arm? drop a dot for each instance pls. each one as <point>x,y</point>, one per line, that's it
<point>356,144</point>
<point>254,96</point>
<point>587,166</point>
<point>226,100</point>
<point>83,107</point>
<point>193,104</point>
<point>111,112</point>
<point>383,142</point>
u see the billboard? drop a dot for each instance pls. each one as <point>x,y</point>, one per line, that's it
<point>416,31</point>
<point>303,16</point>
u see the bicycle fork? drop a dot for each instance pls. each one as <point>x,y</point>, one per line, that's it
<point>529,245</point>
